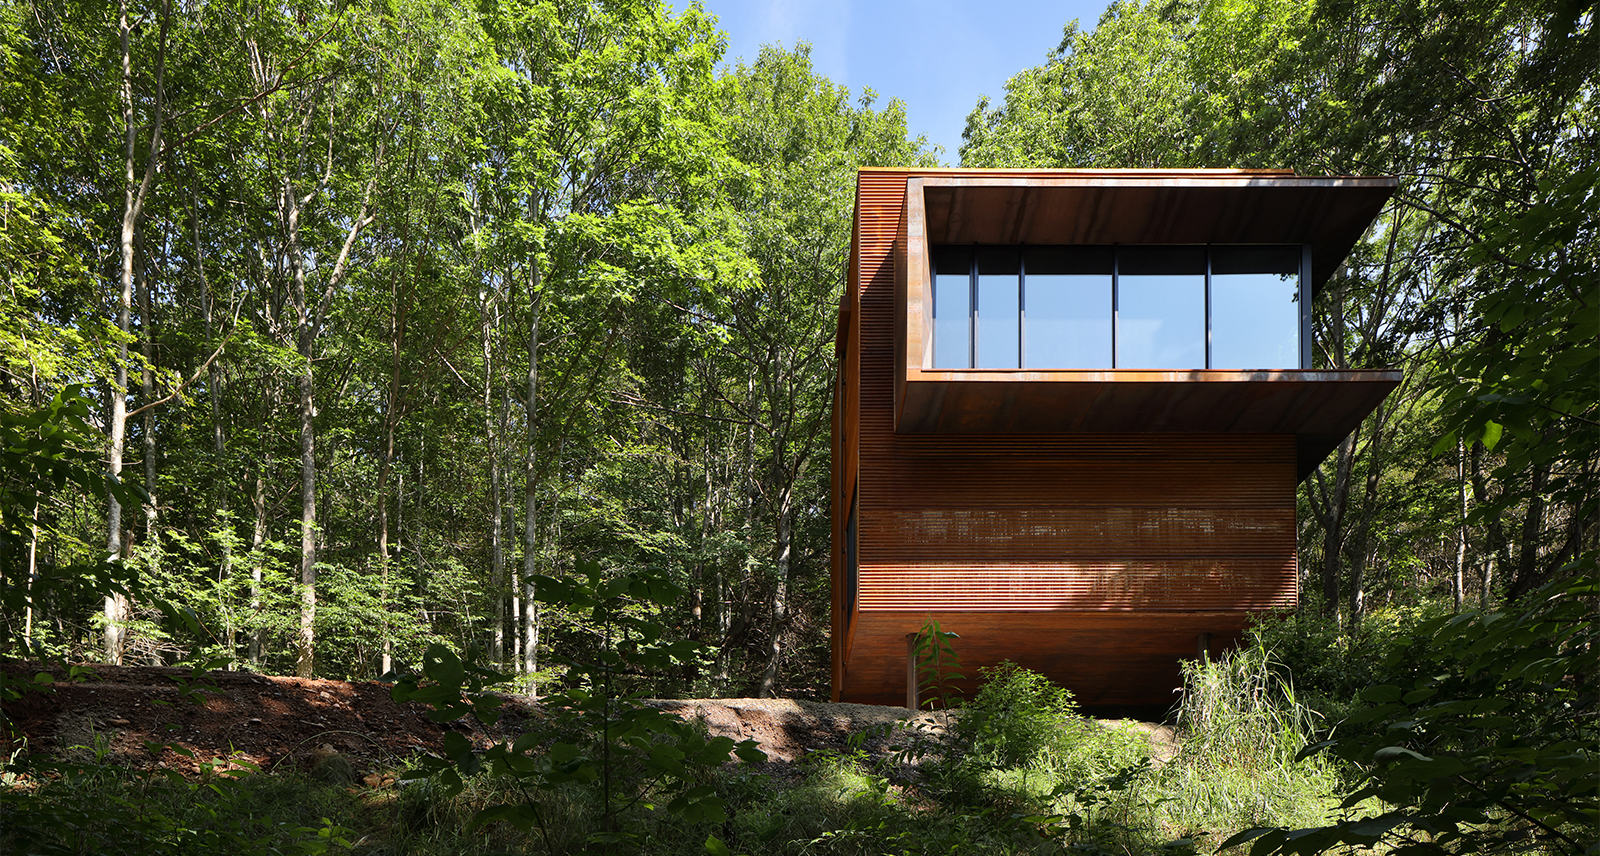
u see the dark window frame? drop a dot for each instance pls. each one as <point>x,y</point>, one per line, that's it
<point>972,252</point>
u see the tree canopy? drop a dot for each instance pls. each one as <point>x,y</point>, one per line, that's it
<point>392,310</point>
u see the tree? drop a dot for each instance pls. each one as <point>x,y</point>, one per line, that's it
<point>804,141</point>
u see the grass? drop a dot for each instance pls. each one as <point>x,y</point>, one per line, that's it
<point>1018,772</point>
<point>1241,729</point>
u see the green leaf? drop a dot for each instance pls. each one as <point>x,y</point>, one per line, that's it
<point>1380,694</point>
<point>750,751</point>
<point>561,753</point>
<point>1391,753</point>
<point>1491,434</point>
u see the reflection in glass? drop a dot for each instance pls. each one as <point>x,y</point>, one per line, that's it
<point>999,308</point>
<point>1161,308</point>
<point>952,309</point>
<point>1255,316</point>
<point>1068,321</point>
<point>1066,308</point>
<point>998,312</point>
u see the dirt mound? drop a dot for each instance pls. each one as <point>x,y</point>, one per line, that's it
<point>119,712</point>
<point>348,727</point>
<point>785,728</point>
<point>272,722</point>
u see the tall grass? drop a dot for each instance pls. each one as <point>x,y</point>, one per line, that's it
<point>1240,728</point>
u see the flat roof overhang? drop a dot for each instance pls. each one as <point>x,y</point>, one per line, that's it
<point>1130,207</point>
<point>1204,206</point>
<point>1319,408</point>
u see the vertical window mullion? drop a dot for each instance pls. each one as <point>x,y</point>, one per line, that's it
<point>1208,306</point>
<point>972,300</point>
<point>1116,254</point>
<point>1022,307</point>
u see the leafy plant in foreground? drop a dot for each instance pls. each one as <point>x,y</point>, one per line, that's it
<point>938,665</point>
<point>63,808</point>
<point>1491,751</point>
<point>633,754</point>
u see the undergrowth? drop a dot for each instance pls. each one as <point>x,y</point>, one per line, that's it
<point>1016,770</point>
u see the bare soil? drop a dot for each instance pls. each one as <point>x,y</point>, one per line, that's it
<point>120,712</point>
<point>147,716</point>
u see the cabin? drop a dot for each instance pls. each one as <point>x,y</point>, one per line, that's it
<point>1071,412</point>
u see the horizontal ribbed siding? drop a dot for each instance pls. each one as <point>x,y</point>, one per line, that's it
<point>973,525</point>
<point>1212,583</point>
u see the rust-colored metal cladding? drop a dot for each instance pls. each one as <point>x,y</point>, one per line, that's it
<point>1320,408</point>
<point>1090,525</point>
<point>1105,658</point>
<point>1150,207</point>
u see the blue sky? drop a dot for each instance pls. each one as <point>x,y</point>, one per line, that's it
<point>937,56</point>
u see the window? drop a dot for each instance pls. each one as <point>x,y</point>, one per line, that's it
<point>1161,308</point>
<point>1067,323</point>
<point>1132,307</point>
<point>952,309</point>
<point>1255,308</point>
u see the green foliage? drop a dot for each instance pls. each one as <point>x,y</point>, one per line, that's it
<point>632,754</point>
<point>1016,718</point>
<point>1236,713</point>
<point>1490,750</point>
<point>1240,728</point>
<point>45,453</point>
<point>1524,381</point>
<point>50,809</point>
<point>938,666</point>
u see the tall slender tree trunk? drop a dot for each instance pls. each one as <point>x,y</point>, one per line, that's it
<point>530,490</point>
<point>219,483</point>
<point>497,556</point>
<point>258,531</point>
<point>117,428</point>
<point>391,423</point>
<point>152,537</point>
<point>1358,561</point>
<point>1333,520</point>
<point>133,198</point>
<point>1459,582</point>
<point>507,505</point>
<point>306,385</point>
<point>305,651</point>
<point>782,557</point>
<point>32,574</point>
<point>1495,544</point>
<point>1526,576</point>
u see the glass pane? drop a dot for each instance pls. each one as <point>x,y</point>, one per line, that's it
<point>998,320</point>
<point>1067,319</point>
<point>1255,321</point>
<point>1255,313</point>
<point>1161,308</point>
<point>952,317</point>
<point>1066,308</point>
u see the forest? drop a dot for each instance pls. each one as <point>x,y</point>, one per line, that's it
<point>333,334</point>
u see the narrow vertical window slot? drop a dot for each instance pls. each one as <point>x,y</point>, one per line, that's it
<point>1207,363</point>
<point>999,308</point>
<point>952,308</point>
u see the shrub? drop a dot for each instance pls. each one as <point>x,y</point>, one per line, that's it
<point>1016,718</point>
<point>1489,750</point>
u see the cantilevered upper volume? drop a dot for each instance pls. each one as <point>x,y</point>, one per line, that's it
<point>1072,409</point>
